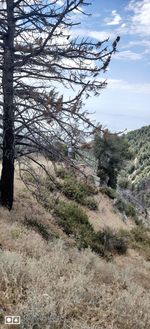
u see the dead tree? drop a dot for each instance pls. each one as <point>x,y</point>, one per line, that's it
<point>39,61</point>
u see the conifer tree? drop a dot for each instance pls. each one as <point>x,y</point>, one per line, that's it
<point>110,150</point>
<point>39,60</point>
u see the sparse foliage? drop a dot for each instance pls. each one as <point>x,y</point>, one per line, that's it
<point>39,60</point>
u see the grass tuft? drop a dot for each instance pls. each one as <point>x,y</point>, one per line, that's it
<point>38,227</point>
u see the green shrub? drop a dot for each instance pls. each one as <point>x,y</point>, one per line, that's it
<point>124,234</point>
<point>130,210</point>
<point>127,207</point>
<point>111,193</point>
<point>141,235</point>
<point>97,247</point>
<point>79,192</point>
<point>15,233</point>
<point>73,190</point>
<point>112,242</point>
<point>120,205</point>
<point>124,183</point>
<point>138,238</point>
<point>45,198</point>
<point>38,227</point>
<point>91,203</point>
<point>61,172</point>
<point>75,222</point>
<point>138,221</point>
<point>88,188</point>
<point>70,216</point>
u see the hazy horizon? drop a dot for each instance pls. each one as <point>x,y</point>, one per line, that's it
<point>124,104</point>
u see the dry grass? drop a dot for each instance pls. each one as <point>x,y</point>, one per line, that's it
<point>60,287</point>
<point>105,216</point>
<point>52,285</point>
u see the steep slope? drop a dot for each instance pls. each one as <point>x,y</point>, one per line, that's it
<point>136,174</point>
<point>140,144</point>
<point>52,284</point>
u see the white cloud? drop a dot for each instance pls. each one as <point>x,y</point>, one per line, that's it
<point>128,55</point>
<point>123,25</point>
<point>141,43</point>
<point>101,35</point>
<point>115,18</point>
<point>98,35</point>
<point>140,21</point>
<point>139,88</point>
<point>145,44</point>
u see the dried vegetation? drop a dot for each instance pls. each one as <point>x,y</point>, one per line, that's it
<point>50,283</point>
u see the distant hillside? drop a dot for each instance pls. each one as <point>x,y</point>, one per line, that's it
<point>138,168</point>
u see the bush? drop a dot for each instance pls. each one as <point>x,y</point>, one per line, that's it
<point>15,233</point>
<point>75,222</point>
<point>38,227</point>
<point>126,207</point>
<point>61,172</point>
<point>120,205</point>
<point>141,235</point>
<point>89,188</point>
<point>130,210</point>
<point>73,190</point>
<point>124,183</point>
<point>70,216</point>
<point>79,192</point>
<point>111,193</point>
<point>112,242</point>
<point>91,204</point>
<point>138,238</point>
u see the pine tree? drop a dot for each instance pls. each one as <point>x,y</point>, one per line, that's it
<point>39,59</point>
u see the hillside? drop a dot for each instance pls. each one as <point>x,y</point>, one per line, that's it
<point>52,283</point>
<point>140,144</point>
<point>136,175</point>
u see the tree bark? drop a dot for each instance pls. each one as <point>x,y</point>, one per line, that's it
<point>7,177</point>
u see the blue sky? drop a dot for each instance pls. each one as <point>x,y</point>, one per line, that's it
<point>124,104</point>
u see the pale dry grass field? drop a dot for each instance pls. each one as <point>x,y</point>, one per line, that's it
<point>56,286</point>
<point>52,285</point>
<point>107,216</point>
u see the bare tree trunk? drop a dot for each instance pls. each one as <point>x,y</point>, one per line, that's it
<point>7,177</point>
